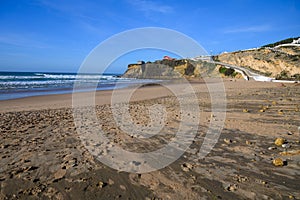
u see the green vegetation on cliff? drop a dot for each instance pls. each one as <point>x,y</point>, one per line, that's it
<point>285,41</point>
<point>227,71</point>
<point>285,75</point>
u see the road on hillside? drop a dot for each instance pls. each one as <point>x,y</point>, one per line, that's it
<point>245,72</point>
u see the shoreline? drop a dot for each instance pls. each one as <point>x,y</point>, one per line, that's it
<point>56,101</point>
<point>152,91</point>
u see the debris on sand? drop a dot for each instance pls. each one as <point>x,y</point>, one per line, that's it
<point>279,141</point>
<point>245,110</point>
<point>278,162</point>
<point>286,145</point>
<point>101,184</point>
<point>249,142</point>
<point>290,153</point>
<point>186,167</point>
<point>271,148</point>
<point>280,112</point>
<point>122,187</point>
<point>231,187</point>
<point>59,174</point>
<point>227,141</point>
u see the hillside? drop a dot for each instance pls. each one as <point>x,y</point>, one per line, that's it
<point>280,60</point>
<point>268,61</point>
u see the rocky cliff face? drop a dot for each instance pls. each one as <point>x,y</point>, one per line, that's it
<point>164,69</point>
<point>270,61</point>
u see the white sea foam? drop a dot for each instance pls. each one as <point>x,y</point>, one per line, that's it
<point>14,83</point>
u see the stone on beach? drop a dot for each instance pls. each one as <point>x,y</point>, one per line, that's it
<point>59,174</point>
<point>227,141</point>
<point>279,141</point>
<point>278,162</point>
<point>271,148</point>
<point>245,110</point>
<point>231,187</point>
<point>249,142</point>
<point>101,184</point>
<point>285,145</point>
<point>186,167</point>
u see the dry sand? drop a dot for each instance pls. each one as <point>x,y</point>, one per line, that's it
<point>42,156</point>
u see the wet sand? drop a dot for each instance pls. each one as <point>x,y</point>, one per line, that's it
<point>42,156</point>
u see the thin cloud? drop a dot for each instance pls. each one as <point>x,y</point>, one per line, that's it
<point>69,7</point>
<point>22,41</point>
<point>151,6</point>
<point>261,28</point>
<point>79,13</point>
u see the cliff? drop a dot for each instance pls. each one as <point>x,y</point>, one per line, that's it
<point>164,69</point>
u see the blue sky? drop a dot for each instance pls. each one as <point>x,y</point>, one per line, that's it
<point>56,35</point>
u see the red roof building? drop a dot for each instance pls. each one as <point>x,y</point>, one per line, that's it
<point>168,58</point>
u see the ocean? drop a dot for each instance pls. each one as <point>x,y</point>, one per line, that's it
<point>25,84</point>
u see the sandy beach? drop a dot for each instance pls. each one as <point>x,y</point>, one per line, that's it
<point>43,157</point>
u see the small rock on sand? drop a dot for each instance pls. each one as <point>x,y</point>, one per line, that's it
<point>248,142</point>
<point>279,141</point>
<point>122,187</point>
<point>186,167</point>
<point>271,148</point>
<point>101,184</point>
<point>227,141</point>
<point>231,188</point>
<point>110,182</point>
<point>286,145</point>
<point>59,174</point>
<point>278,162</point>
<point>245,110</point>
